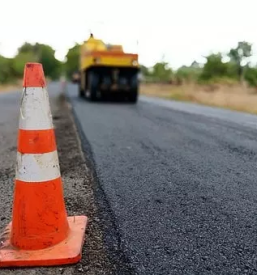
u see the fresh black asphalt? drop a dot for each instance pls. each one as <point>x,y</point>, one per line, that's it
<point>180,181</point>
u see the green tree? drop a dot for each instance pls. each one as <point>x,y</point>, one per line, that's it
<point>52,66</point>
<point>26,48</point>
<point>214,67</point>
<point>251,76</point>
<point>195,65</point>
<point>162,72</point>
<point>188,73</point>
<point>6,72</point>
<point>72,60</point>
<point>19,60</point>
<point>145,71</point>
<point>239,56</point>
<point>41,53</point>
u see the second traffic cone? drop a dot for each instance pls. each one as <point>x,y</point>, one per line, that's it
<point>40,233</point>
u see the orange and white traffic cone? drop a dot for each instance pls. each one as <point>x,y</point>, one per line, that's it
<point>40,233</point>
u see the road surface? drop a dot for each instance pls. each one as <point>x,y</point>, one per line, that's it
<point>169,187</point>
<point>180,181</point>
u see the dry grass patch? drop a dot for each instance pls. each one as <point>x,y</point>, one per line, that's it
<point>15,86</point>
<point>235,97</point>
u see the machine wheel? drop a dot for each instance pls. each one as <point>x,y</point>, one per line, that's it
<point>133,97</point>
<point>80,91</point>
<point>92,86</point>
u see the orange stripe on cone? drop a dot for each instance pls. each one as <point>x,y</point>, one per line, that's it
<point>36,141</point>
<point>34,75</point>
<point>40,233</point>
<point>40,221</point>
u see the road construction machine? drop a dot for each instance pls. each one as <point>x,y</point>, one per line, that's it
<point>107,70</point>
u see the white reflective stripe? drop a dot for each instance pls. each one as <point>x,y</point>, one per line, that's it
<point>35,113</point>
<point>37,167</point>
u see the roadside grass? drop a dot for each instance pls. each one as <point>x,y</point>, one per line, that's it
<point>234,97</point>
<point>14,86</point>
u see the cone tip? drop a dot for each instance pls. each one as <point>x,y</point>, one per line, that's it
<point>33,75</point>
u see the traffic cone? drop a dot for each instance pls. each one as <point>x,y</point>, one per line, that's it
<point>40,233</point>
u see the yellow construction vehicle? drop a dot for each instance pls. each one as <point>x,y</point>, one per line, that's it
<point>106,70</point>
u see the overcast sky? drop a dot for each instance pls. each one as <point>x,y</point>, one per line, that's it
<point>178,30</point>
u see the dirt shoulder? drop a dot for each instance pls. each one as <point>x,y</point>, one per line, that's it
<point>11,87</point>
<point>79,194</point>
<point>233,97</point>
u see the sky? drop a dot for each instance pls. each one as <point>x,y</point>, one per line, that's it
<point>177,31</point>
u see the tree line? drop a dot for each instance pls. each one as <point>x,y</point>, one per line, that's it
<point>234,66</point>
<point>12,68</point>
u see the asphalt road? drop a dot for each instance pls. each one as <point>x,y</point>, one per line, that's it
<point>180,181</point>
